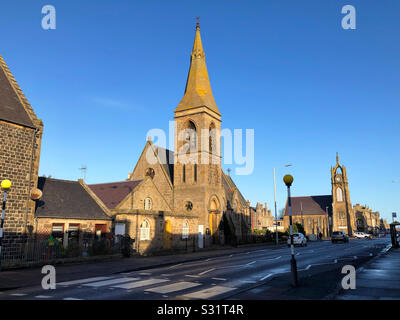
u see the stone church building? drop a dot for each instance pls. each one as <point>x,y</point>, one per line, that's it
<point>181,198</point>
<point>327,213</point>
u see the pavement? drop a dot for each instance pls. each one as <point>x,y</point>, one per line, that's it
<point>259,272</point>
<point>377,280</point>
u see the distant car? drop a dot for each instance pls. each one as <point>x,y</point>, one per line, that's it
<point>361,235</point>
<point>339,236</point>
<point>298,239</point>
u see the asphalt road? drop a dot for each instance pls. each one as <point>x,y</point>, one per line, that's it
<point>213,278</point>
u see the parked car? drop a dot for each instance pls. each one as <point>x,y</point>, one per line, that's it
<point>298,239</point>
<point>361,235</point>
<point>339,236</point>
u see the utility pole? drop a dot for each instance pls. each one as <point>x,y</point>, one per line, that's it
<point>5,185</point>
<point>288,179</point>
<point>276,215</point>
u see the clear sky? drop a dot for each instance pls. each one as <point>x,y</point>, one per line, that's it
<point>112,70</point>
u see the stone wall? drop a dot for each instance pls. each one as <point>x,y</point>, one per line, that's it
<point>160,238</point>
<point>19,162</point>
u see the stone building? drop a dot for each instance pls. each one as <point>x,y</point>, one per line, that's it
<point>20,141</point>
<point>181,199</point>
<point>334,212</point>
<point>343,216</point>
<point>366,219</point>
<point>261,218</point>
<point>69,212</point>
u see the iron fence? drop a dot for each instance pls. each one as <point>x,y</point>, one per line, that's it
<point>43,251</point>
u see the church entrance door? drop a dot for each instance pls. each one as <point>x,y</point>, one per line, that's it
<point>167,235</point>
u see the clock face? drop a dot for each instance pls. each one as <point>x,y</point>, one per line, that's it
<point>338,178</point>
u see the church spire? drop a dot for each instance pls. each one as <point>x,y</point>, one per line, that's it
<point>198,89</point>
<point>337,158</point>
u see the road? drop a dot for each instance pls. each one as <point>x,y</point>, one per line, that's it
<point>214,278</point>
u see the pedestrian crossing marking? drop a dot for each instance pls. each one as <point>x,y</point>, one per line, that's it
<point>209,292</point>
<point>68,283</point>
<point>110,282</point>
<point>142,283</point>
<point>174,287</point>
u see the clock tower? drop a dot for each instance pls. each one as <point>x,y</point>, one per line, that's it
<point>342,217</point>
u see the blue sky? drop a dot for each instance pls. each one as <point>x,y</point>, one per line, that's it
<point>112,70</point>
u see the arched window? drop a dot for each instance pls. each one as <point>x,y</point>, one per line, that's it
<point>185,230</point>
<point>195,172</point>
<point>147,204</point>
<point>145,230</point>
<point>191,136</point>
<point>339,194</point>
<point>212,138</point>
<point>184,173</point>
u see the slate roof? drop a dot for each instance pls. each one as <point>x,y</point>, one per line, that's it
<point>310,205</point>
<point>12,108</point>
<point>167,160</point>
<point>113,193</point>
<point>66,199</point>
<point>230,188</point>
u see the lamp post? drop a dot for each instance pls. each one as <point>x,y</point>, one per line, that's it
<point>276,215</point>
<point>5,185</point>
<point>288,180</point>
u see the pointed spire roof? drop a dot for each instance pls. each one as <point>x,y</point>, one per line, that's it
<point>198,89</point>
<point>14,107</point>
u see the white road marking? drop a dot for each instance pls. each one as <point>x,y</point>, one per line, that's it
<point>145,273</point>
<point>174,287</point>
<point>308,267</point>
<point>42,297</point>
<point>250,263</point>
<point>209,292</point>
<point>267,276</point>
<point>109,282</point>
<point>355,257</point>
<point>192,276</point>
<point>72,298</point>
<point>68,283</point>
<point>204,272</point>
<point>18,294</point>
<point>142,283</point>
<point>179,264</point>
<point>165,275</point>
<point>220,279</point>
<point>297,254</point>
<point>248,252</point>
<point>231,256</point>
<point>208,259</point>
<point>247,281</point>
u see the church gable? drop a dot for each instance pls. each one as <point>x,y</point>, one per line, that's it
<point>147,197</point>
<point>14,107</point>
<point>154,164</point>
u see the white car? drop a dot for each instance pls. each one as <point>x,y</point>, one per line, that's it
<point>298,239</point>
<point>361,235</point>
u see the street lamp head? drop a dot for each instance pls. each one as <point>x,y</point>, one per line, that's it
<point>6,184</point>
<point>288,165</point>
<point>288,180</point>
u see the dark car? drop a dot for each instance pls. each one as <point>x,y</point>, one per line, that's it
<point>339,236</point>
